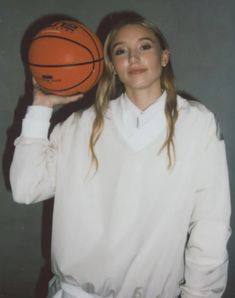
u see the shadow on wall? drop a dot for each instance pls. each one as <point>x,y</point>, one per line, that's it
<point>14,131</point>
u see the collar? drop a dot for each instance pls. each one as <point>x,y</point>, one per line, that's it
<point>138,128</point>
<point>134,118</point>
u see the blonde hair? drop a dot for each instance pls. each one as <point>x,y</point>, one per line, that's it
<point>110,87</point>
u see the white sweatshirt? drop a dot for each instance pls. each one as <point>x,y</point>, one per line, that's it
<point>134,229</point>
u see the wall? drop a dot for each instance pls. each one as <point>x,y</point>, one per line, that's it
<point>202,39</point>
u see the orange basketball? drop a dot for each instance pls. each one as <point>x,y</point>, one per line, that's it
<point>66,58</point>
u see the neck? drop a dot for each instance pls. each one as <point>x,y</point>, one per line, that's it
<point>143,98</point>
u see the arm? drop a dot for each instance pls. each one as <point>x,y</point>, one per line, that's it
<point>33,169</point>
<point>32,172</point>
<point>206,257</point>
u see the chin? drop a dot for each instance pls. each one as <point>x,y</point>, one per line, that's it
<point>138,85</point>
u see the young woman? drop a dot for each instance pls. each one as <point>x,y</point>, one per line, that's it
<point>140,182</point>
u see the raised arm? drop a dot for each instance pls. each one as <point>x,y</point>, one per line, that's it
<point>33,168</point>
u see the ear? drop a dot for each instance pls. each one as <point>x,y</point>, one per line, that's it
<point>165,57</point>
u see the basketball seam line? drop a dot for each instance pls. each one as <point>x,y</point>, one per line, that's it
<point>67,39</point>
<point>97,48</point>
<point>66,65</point>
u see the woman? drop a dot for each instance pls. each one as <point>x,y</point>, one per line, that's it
<point>140,182</point>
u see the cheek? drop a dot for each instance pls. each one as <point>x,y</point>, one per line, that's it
<point>155,65</point>
<point>119,64</point>
<point>155,60</point>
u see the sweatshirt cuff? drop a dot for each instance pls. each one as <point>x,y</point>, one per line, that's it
<point>36,122</point>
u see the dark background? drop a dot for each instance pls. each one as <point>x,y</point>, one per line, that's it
<point>201,35</point>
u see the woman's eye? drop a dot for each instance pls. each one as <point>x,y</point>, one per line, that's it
<point>146,46</point>
<point>119,52</point>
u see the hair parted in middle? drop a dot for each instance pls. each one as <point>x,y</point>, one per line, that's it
<point>110,87</point>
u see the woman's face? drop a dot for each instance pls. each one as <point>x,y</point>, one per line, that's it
<point>137,58</point>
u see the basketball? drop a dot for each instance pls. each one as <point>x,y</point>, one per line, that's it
<point>66,58</point>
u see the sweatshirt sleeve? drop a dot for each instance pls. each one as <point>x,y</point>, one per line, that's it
<point>206,258</point>
<point>33,169</point>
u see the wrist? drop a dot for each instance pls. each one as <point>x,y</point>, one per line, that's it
<point>40,98</point>
<point>36,122</point>
<point>42,102</point>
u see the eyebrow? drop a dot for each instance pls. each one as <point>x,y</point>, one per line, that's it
<point>140,39</point>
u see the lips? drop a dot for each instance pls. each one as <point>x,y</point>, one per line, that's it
<point>136,71</point>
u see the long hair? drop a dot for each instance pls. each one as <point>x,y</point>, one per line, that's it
<point>110,87</point>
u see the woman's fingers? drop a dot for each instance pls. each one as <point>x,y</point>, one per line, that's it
<point>50,100</point>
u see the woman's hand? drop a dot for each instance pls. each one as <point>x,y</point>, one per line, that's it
<point>50,100</point>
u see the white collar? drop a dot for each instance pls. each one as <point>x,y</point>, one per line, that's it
<point>134,118</point>
<point>138,128</point>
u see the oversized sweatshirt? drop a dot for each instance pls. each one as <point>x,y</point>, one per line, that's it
<point>133,228</point>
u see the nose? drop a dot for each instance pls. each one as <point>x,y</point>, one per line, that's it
<point>133,55</point>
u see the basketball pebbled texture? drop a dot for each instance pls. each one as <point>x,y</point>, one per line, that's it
<point>66,58</point>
